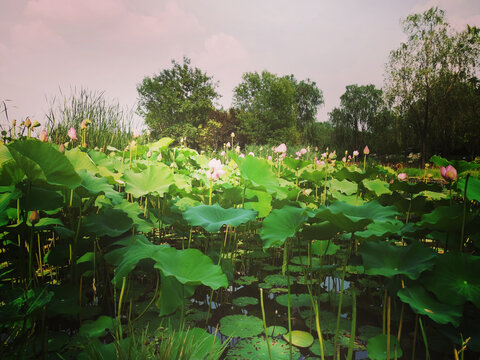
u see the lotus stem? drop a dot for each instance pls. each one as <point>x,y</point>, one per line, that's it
<point>465,201</point>
<point>415,332</point>
<point>265,325</point>
<point>289,315</point>
<point>424,335</point>
<point>400,325</point>
<point>384,315</point>
<point>389,311</point>
<point>354,323</point>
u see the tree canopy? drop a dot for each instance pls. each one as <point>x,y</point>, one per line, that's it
<point>176,99</point>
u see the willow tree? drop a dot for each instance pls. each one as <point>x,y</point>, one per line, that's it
<point>422,72</point>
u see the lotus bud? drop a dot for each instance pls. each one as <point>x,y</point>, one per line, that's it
<point>269,158</point>
<point>237,149</point>
<point>222,153</point>
<point>261,148</point>
<point>84,145</point>
<point>61,148</point>
<point>366,150</point>
<point>72,133</point>
<point>449,173</point>
<point>43,137</point>
<point>228,145</point>
<point>14,122</point>
<point>149,153</point>
<point>136,134</point>
<point>355,153</point>
<point>159,157</point>
<point>28,122</point>
<point>316,148</point>
<point>34,217</point>
<point>242,155</point>
<point>344,159</point>
<point>148,132</point>
<point>35,124</point>
<point>232,135</point>
<point>402,177</point>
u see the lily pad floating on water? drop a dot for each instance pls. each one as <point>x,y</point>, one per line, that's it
<point>246,280</point>
<point>296,300</point>
<point>275,331</point>
<point>244,301</point>
<point>274,280</point>
<point>328,349</point>
<point>377,347</point>
<point>257,348</point>
<point>300,338</point>
<point>241,326</point>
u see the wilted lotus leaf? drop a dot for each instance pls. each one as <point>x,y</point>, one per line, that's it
<point>213,217</point>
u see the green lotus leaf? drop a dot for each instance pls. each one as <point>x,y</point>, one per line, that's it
<point>10,173</point>
<point>423,303</point>
<point>368,331</point>
<point>316,176</point>
<point>264,204</point>
<point>258,172</point>
<point>97,328</point>
<point>275,331</point>
<point>377,186</point>
<point>135,214</point>
<point>460,165</point>
<point>454,279</point>
<point>296,300</point>
<point>382,258</point>
<point>241,326</point>
<point>300,338</point>
<point>81,160</point>
<point>377,348</point>
<point>324,230</point>
<point>281,224</point>
<point>110,222</point>
<point>328,349</point>
<point>344,186</point>
<point>246,280</point>
<point>324,247</point>
<point>446,218</point>
<point>161,144</point>
<point>352,218</point>
<point>5,155</point>
<point>155,179</point>
<point>173,294</point>
<point>42,199</point>
<point>296,164</point>
<point>257,348</point>
<point>213,217</point>
<point>377,231</point>
<point>92,185</point>
<point>274,280</point>
<point>354,173</point>
<point>42,163</point>
<point>328,322</point>
<point>244,301</point>
<point>189,267</point>
<point>473,188</point>
<point>414,188</point>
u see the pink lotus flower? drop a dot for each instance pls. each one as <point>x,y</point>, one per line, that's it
<point>251,153</point>
<point>242,155</point>
<point>228,144</point>
<point>72,133</point>
<point>355,153</point>
<point>449,173</point>
<point>215,169</point>
<point>298,153</point>
<point>324,155</point>
<point>303,151</point>
<point>269,158</point>
<point>344,159</point>
<point>402,177</point>
<point>43,137</point>
<point>222,153</point>
<point>366,150</point>
<point>282,148</point>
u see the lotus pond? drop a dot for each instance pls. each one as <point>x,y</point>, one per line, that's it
<point>161,252</point>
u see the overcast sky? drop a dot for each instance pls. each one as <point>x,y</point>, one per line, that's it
<point>111,45</point>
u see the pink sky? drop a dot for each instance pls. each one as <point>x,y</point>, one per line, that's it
<point>111,45</point>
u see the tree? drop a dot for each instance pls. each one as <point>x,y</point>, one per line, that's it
<point>176,99</point>
<point>422,72</point>
<point>361,110</point>
<point>275,108</point>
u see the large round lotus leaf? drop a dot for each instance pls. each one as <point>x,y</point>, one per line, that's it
<point>258,172</point>
<point>241,326</point>
<point>135,214</point>
<point>423,303</point>
<point>299,338</point>
<point>97,328</point>
<point>327,347</point>
<point>344,186</point>
<point>81,160</point>
<point>41,163</point>
<point>154,179</point>
<point>454,279</point>
<point>381,258</point>
<point>324,247</point>
<point>244,301</point>
<point>354,173</point>
<point>257,348</point>
<point>264,204</point>
<point>305,261</point>
<point>92,185</point>
<point>320,231</point>
<point>110,222</point>
<point>377,186</point>
<point>352,218</point>
<point>213,217</point>
<point>296,300</point>
<point>281,224</point>
<point>473,188</point>
<point>316,176</point>
<point>189,267</point>
<point>381,230</point>
<point>377,348</point>
<point>295,164</point>
<point>445,218</point>
<point>275,331</point>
